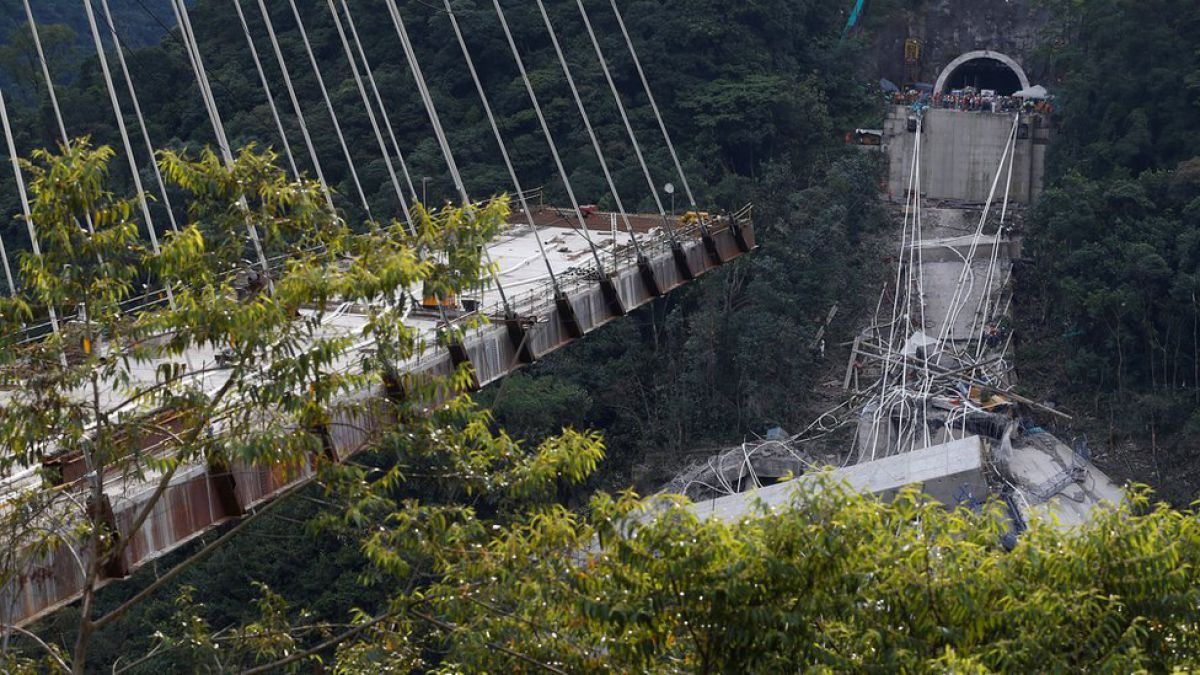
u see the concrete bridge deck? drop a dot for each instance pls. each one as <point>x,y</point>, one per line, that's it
<point>200,497</point>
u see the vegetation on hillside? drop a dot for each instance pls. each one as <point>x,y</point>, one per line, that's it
<point>1110,304</point>
<point>455,547</point>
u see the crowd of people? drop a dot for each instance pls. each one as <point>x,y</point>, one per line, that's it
<point>973,100</point>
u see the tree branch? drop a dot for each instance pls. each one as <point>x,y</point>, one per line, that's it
<point>449,627</point>
<point>53,654</point>
<point>331,642</point>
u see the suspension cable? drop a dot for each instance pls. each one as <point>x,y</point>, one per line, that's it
<point>654,105</point>
<point>337,127</point>
<point>214,115</point>
<point>637,148</point>
<point>587,123</point>
<point>512,172</point>
<point>266,85</point>
<point>362,92</point>
<point>296,109</point>
<point>387,122</point>
<point>537,108</point>
<point>124,132</point>
<point>440,133</point>
<point>137,108</point>
<point>24,197</point>
<point>58,116</point>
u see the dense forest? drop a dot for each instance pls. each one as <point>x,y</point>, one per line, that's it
<point>1109,302</point>
<point>756,95</point>
<point>65,37</point>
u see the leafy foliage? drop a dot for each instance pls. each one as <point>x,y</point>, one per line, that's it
<point>1113,288</point>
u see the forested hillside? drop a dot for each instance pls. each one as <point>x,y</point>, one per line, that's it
<point>66,36</point>
<point>756,96</point>
<point>455,548</point>
<point>1110,303</point>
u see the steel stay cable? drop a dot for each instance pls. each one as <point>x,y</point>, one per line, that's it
<point>181,14</point>
<point>12,287</point>
<point>983,310</point>
<point>296,109</point>
<point>266,85</point>
<point>54,105</point>
<point>423,90</point>
<point>654,104</point>
<point>637,147</point>
<point>537,108</point>
<point>337,127</point>
<point>137,109</point>
<point>387,122</point>
<point>512,172</point>
<point>952,312</point>
<point>587,123</point>
<point>443,142</point>
<point>10,141</point>
<point>959,301</point>
<point>383,149</point>
<point>128,145</point>
<point>886,371</point>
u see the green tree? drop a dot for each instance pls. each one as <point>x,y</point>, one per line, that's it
<point>86,400</point>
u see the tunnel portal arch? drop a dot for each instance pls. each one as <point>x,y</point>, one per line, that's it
<point>992,69</point>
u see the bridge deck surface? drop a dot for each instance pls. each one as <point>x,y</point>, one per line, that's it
<point>192,503</point>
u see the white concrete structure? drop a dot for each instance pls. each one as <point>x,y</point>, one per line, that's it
<point>952,474</point>
<point>960,151</point>
<point>980,54</point>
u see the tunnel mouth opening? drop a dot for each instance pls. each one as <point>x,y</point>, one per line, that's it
<point>984,73</point>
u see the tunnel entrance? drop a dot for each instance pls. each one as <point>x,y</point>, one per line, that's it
<point>983,70</point>
<point>985,74</point>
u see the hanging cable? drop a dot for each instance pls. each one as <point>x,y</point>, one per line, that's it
<point>512,172</point>
<point>587,123</point>
<point>24,197</point>
<point>654,105</point>
<point>957,300</point>
<point>62,127</point>
<point>362,92</point>
<point>137,108</point>
<point>124,131</point>
<point>214,114</point>
<point>337,127</point>
<point>266,85</point>
<point>537,108</point>
<point>387,122</point>
<point>440,133</point>
<point>637,148</point>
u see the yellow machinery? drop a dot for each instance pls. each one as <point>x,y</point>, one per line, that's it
<point>430,300</point>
